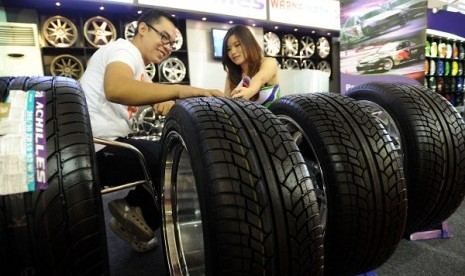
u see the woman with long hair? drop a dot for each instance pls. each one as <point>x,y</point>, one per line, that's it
<point>250,75</point>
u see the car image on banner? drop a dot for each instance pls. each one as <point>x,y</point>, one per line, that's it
<point>391,54</point>
<point>370,22</point>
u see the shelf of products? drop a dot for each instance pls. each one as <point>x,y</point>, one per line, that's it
<point>298,50</point>
<point>68,41</point>
<point>444,67</point>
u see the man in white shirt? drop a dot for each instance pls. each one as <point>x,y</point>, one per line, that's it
<point>115,83</point>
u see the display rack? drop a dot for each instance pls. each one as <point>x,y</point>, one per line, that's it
<point>298,50</point>
<point>69,39</point>
<point>444,67</point>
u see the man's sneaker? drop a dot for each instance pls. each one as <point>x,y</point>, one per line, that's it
<point>131,218</point>
<point>137,245</point>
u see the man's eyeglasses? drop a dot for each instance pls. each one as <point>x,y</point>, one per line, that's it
<point>165,39</point>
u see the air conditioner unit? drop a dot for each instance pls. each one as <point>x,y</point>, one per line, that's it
<point>19,50</point>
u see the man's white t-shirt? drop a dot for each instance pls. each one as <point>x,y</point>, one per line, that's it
<point>110,120</point>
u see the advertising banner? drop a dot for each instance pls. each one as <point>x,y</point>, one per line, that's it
<point>255,9</point>
<point>309,13</point>
<point>382,40</point>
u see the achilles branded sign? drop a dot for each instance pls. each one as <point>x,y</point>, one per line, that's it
<point>309,13</point>
<point>255,9</point>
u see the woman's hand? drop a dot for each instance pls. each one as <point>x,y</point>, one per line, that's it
<point>243,92</point>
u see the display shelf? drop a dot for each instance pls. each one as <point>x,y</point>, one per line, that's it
<point>298,50</point>
<point>76,36</point>
<point>444,67</point>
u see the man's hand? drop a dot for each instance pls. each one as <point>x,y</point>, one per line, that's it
<point>163,108</point>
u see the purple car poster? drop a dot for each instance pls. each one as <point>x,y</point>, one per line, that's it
<point>382,40</point>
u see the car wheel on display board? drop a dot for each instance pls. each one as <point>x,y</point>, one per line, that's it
<point>430,139</point>
<point>308,47</point>
<point>173,70</point>
<point>307,64</point>
<point>59,31</point>
<point>339,142</point>
<point>291,63</point>
<point>290,45</point>
<point>232,174</point>
<point>324,66</point>
<point>67,66</point>
<point>272,44</point>
<point>178,41</point>
<point>58,228</point>
<point>99,31</point>
<point>151,70</point>
<point>130,30</point>
<point>323,47</point>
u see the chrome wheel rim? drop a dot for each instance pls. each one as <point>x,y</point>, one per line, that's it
<point>313,164</point>
<point>385,119</point>
<point>173,70</point>
<point>307,64</point>
<point>324,66</point>
<point>182,220</point>
<point>151,70</point>
<point>290,45</point>
<point>130,30</point>
<point>323,47</point>
<point>59,31</point>
<point>67,66</point>
<point>99,31</point>
<point>271,43</point>
<point>291,64</point>
<point>308,46</point>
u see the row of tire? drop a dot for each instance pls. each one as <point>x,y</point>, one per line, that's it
<point>317,184</point>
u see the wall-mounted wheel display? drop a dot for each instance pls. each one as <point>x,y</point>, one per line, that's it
<point>173,70</point>
<point>67,66</point>
<point>272,44</point>
<point>99,31</point>
<point>290,45</point>
<point>308,47</point>
<point>237,198</point>
<point>59,31</point>
<point>291,63</point>
<point>323,47</point>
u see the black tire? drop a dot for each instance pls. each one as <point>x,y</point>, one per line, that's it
<point>388,64</point>
<point>432,136</point>
<point>256,203</point>
<point>360,183</point>
<point>59,230</point>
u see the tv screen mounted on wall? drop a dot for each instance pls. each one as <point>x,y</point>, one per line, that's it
<point>217,39</point>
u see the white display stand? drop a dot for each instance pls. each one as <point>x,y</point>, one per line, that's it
<point>303,81</point>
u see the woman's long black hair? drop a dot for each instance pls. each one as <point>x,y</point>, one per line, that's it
<point>251,49</point>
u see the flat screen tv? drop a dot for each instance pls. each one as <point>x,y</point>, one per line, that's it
<point>217,39</point>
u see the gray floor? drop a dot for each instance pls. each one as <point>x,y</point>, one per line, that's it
<point>444,257</point>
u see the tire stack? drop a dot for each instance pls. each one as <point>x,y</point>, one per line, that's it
<point>319,184</point>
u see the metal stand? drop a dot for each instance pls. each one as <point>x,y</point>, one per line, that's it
<point>441,232</point>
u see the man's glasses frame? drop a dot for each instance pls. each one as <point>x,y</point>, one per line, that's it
<point>165,39</point>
